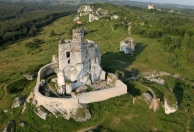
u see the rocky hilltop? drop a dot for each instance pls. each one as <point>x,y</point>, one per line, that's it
<point>94,14</point>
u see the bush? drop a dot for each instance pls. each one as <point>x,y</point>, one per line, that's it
<point>191,57</point>
<point>18,85</point>
<point>171,99</point>
<point>52,33</point>
<point>89,88</point>
<point>35,44</point>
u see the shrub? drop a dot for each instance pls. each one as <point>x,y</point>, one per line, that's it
<point>18,86</point>
<point>35,43</point>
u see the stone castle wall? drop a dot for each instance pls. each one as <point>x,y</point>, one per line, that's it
<point>65,105</point>
<point>96,96</point>
<point>51,103</point>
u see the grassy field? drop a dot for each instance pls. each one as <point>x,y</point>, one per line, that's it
<point>117,114</point>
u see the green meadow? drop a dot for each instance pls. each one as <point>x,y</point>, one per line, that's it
<point>116,114</point>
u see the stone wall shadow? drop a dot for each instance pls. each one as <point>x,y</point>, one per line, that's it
<point>91,31</point>
<point>132,90</point>
<point>178,91</point>
<point>101,128</point>
<point>109,59</point>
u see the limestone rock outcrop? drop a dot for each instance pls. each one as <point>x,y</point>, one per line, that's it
<point>93,14</point>
<point>127,46</point>
<point>150,6</point>
<point>93,17</point>
<point>114,17</point>
<point>154,104</point>
<point>22,124</point>
<point>169,107</point>
<point>81,115</point>
<point>9,126</point>
<point>146,97</point>
<point>170,102</point>
<point>41,112</point>
<point>76,18</point>
<point>30,76</point>
<point>154,77</point>
<point>101,12</point>
<point>17,102</point>
<point>85,10</point>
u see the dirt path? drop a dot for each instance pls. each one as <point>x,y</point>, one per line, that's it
<point>122,62</point>
<point>103,40</point>
<point>155,102</point>
<point>5,87</point>
<point>87,129</point>
<point>188,123</point>
<point>129,29</point>
<point>154,96</point>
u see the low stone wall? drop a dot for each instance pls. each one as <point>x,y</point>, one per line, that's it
<point>46,70</point>
<point>52,104</point>
<point>105,94</point>
<point>55,104</point>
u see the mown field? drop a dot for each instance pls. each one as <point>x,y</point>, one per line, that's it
<point>117,114</point>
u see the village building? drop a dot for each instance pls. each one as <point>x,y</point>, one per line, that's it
<point>150,6</point>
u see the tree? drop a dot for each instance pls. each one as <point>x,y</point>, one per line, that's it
<point>191,57</point>
<point>190,32</point>
<point>181,30</point>
<point>191,45</point>
<point>32,31</point>
<point>173,30</point>
<point>186,40</point>
<point>166,39</point>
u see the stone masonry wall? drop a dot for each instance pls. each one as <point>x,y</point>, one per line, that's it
<point>96,96</point>
<point>51,103</point>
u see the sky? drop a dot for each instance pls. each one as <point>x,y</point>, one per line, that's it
<point>182,2</point>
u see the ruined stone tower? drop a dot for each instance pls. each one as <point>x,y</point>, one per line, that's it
<point>79,62</point>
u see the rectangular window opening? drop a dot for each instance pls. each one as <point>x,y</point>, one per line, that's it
<point>68,54</point>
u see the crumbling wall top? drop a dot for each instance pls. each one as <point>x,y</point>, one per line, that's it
<point>76,31</point>
<point>62,41</point>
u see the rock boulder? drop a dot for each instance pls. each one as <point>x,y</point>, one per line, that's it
<point>170,108</point>
<point>17,102</point>
<point>81,115</point>
<point>41,112</point>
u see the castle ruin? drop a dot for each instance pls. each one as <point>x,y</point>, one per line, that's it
<point>79,63</point>
<point>80,79</point>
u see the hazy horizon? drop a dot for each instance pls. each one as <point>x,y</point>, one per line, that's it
<point>185,2</point>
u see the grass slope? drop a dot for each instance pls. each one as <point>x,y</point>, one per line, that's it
<point>117,114</point>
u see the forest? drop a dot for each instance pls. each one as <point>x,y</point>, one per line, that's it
<point>20,20</point>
